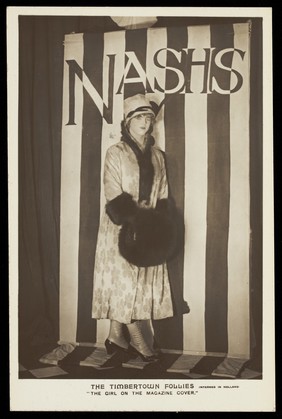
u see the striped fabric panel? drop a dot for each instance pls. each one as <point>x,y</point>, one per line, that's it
<point>196,132</point>
<point>70,196</point>
<point>239,218</point>
<point>204,129</point>
<point>175,152</point>
<point>218,194</point>
<point>89,188</point>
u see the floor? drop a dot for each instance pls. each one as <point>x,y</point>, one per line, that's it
<point>81,362</point>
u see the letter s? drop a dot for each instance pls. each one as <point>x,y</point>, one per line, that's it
<point>218,62</point>
<point>179,73</point>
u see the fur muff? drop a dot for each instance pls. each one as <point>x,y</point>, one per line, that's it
<point>121,208</point>
<point>149,238</point>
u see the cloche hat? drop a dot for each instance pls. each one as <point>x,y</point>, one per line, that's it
<point>136,105</point>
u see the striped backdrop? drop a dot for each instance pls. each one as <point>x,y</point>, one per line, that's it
<point>201,74</point>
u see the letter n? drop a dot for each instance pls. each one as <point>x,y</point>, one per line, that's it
<point>105,111</point>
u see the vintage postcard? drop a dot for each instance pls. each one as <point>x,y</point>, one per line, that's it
<point>141,209</point>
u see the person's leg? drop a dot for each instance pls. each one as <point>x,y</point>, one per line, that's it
<point>138,343</point>
<point>116,337</point>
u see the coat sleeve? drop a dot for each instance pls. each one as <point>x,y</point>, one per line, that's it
<point>120,205</point>
<point>112,174</point>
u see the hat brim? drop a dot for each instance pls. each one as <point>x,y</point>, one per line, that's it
<point>143,112</point>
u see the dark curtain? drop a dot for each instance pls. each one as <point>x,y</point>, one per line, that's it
<point>40,114</point>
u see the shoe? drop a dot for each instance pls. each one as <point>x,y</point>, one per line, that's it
<point>145,358</point>
<point>112,347</point>
<point>137,341</point>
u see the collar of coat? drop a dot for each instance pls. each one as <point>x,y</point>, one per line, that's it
<point>144,159</point>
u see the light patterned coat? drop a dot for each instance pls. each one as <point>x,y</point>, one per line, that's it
<point>121,290</point>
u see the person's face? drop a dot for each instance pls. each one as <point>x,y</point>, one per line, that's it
<point>140,124</point>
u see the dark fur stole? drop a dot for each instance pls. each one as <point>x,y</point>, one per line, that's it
<point>144,159</point>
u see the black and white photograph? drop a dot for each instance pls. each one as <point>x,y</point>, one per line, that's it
<point>140,205</point>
